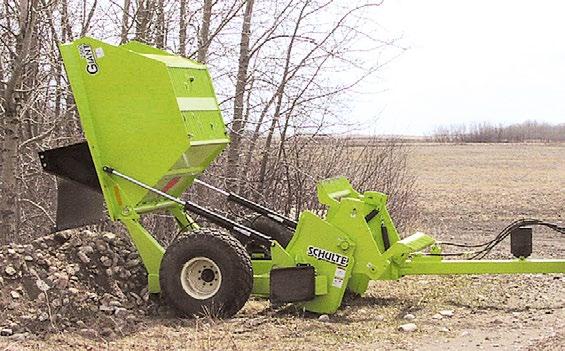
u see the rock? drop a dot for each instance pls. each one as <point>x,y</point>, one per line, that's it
<point>106,308</point>
<point>72,269</point>
<point>28,258</point>
<point>497,321</point>
<point>43,316</point>
<point>324,318</point>
<point>446,313</point>
<point>15,294</point>
<point>132,263</point>
<point>10,270</point>
<point>62,237</point>
<point>106,261</point>
<point>437,316</point>
<point>101,245</point>
<point>465,333</point>
<point>87,249</point>
<point>61,281</point>
<point>444,330</point>
<point>109,236</point>
<point>379,318</point>
<point>121,312</point>
<point>409,316</point>
<point>11,251</point>
<point>6,332</point>
<point>408,327</point>
<point>41,285</point>
<point>83,257</point>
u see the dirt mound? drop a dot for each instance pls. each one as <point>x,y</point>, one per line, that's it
<point>79,280</point>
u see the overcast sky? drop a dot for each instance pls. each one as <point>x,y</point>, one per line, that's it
<point>500,61</point>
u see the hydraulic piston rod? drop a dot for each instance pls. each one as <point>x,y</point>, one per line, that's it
<point>257,208</point>
<point>190,206</point>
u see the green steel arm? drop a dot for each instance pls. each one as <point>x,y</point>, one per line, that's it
<point>517,266</point>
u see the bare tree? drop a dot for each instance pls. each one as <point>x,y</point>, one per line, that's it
<point>125,22</point>
<point>203,37</point>
<point>237,122</point>
<point>276,62</point>
<point>182,26</point>
<point>11,123</point>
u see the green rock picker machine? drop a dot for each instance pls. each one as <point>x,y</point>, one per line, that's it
<point>152,126</point>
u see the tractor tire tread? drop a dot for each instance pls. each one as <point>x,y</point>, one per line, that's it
<point>240,259</point>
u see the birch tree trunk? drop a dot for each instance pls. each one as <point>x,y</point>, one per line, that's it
<point>234,151</point>
<point>204,35</point>
<point>182,26</point>
<point>125,22</point>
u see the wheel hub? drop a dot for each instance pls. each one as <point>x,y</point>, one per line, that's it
<point>201,278</point>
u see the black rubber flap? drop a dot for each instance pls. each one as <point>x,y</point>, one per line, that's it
<point>521,242</point>
<point>72,162</point>
<point>292,284</point>
<point>77,205</point>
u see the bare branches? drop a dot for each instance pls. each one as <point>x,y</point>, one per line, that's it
<point>289,67</point>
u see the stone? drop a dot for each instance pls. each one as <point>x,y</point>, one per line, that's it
<point>87,249</point>
<point>109,236</point>
<point>121,312</point>
<point>444,330</point>
<point>446,313</point>
<point>106,308</point>
<point>437,316</point>
<point>42,285</point>
<point>324,318</point>
<point>132,263</point>
<point>6,332</point>
<point>10,270</point>
<point>11,251</point>
<point>43,316</point>
<point>101,245</point>
<point>408,327</point>
<point>83,257</point>
<point>409,316</point>
<point>28,258</point>
<point>15,294</point>
<point>106,261</point>
<point>61,281</point>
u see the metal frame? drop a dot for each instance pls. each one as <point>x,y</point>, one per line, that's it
<point>357,227</point>
<point>151,135</point>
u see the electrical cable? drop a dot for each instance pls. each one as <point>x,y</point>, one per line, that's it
<point>489,245</point>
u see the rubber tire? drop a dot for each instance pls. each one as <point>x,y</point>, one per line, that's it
<point>275,230</point>
<point>230,257</point>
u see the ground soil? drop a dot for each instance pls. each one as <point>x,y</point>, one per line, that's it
<point>467,194</point>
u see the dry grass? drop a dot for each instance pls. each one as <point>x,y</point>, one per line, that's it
<point>468,192</point>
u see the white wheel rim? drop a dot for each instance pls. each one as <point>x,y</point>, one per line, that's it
<point>201,278</point>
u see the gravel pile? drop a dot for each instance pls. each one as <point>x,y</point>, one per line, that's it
<point>73,280</point>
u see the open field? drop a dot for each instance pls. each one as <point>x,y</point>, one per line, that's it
<point>467,194</point>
